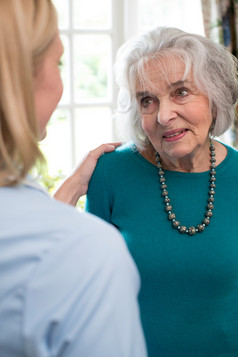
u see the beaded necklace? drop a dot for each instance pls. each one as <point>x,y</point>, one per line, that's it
<point>168,207</point>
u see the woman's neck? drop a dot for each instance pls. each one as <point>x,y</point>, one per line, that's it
<point>198,162</point>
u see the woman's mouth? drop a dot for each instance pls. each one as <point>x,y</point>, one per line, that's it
<point>174,135</point>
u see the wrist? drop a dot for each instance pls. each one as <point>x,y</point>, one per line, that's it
<point>70,191</point>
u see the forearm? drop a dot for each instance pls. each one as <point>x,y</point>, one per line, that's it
<point>70,191</point>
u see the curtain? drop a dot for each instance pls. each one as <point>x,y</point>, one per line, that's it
<point>220,18</point>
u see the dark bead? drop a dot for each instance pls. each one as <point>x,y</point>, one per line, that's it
<point>212,153</point>
<point>171,216</point>
<point>213,166</point>
<point>163,186</point>
<point>212,192</point>
<point>206,221</point>
<point>157,158</point>
<point>200,227</point>
<point>162,179</point>
<point>211,199</point>
<point>167,200</point>
<point>165,193</point>
<point>176,224</point>
<point>213,159</point>
<point>210,206</point>
<point>161,173</point>
<point>213,179</point>
<point>212,185</point>
<point>213,172</point>
<point>208,214</point>
<point>191,231</point>
<point>168,208</point>
<point>182,229</point>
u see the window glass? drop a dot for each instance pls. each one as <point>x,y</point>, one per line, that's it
<point>93,126</point>
<point>93,14</point>
<point>62,7</point>
<point>92,65</point>
<point>57,145</point>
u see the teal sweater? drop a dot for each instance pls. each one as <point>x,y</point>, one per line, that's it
<point>189,292</point>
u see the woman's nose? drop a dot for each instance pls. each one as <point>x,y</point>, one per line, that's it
<point>167,112</point>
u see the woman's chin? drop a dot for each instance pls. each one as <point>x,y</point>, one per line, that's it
<point>179,152</point>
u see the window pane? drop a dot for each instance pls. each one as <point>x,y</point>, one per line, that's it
<point>93,126</point>
<point>184,14</point>
<point>62,7</point>
<point>65,71</point>
<point>92,67</point>
<point>93,14</point>
<point>57,144</point>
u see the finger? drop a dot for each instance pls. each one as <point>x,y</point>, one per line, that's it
<point>96,153</point>
<point>109,147</point>
<point>116,144</point>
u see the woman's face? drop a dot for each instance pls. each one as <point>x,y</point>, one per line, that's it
<point>175,116</point>
<point>48,87</point>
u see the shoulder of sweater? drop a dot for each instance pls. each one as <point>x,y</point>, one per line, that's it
<point>232,155</point>
<point>231,150</point>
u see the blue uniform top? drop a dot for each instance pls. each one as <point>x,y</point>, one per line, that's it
<point>189,293</point>
<point>68,286</point>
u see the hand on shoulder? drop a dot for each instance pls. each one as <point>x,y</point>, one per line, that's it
<point>76,185</point>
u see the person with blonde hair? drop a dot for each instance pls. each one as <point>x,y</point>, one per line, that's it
<point>172,189</point>
<point>68,283</point>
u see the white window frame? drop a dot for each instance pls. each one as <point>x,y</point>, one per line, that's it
<point>121,28</point>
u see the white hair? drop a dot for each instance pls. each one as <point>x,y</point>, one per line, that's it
<point>214,72</point>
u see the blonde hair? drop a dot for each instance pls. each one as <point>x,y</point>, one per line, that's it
<point>27,28</point>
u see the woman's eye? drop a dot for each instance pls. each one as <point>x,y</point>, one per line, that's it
<point>148,105</point>
<point>146,102</point>
<point>60,63</point>
<point>181,93</point>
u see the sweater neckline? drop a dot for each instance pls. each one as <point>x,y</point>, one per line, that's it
<point>219,168</point>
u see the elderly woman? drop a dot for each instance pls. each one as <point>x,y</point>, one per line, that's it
<point>173,191</point>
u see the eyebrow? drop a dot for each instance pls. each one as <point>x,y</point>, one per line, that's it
<point>171,85</point>
<point>178,83</point>
<point>143,94</point>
